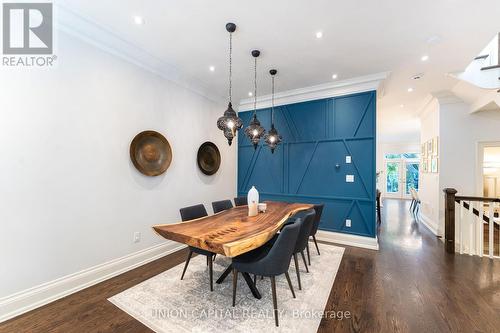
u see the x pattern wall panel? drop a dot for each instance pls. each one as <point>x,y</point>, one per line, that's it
<point>310,165</point>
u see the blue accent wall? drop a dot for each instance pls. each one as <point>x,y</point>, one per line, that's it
<point>317,136</point>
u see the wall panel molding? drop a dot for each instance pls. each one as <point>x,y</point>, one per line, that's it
<point>310,165</point>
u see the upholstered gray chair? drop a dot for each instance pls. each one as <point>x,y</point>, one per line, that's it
<point>191,213</point>
<point>271,260</point>
<point>318,209</point>
<point>219,206</point>
<point>307,220</point>
<point>240,201</point>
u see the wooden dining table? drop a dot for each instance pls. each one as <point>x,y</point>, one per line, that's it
<point>232,232</point>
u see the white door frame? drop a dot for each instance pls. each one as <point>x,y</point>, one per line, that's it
<point>480,162</point>
<point>402,177</point>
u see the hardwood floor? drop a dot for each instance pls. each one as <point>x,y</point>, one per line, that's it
<point>413,285</point>
<point>410,285</point>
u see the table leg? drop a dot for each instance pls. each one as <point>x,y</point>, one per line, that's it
<point>246,276</point>
<point>224,275</point>
<point>253,288</point>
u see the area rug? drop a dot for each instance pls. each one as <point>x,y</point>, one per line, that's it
<point>164,303</point>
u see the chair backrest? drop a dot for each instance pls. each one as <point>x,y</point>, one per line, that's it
<point>318,209</point>
<point>240,201</point>
<point>219,206</point>
<point>306,223</point>
<point>415,193</point>
<point>193,212</point>
<point>277,261</point>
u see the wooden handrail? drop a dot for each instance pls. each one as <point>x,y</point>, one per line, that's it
<point>474,210</point>
<point>483,199</point>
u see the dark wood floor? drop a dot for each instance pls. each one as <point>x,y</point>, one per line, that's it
<point>410,285</point>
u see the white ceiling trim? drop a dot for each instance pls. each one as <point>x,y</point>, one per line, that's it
<point>326,90</point>
<point>95,34</point>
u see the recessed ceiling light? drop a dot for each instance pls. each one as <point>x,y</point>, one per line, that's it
<point>410,89</point>
<point>250,94</point>
<point>434,40</point>
<point>401,105</point>
<point>425,57</point>
<point>319,34</point>
<point>211,68</point>
<point>335,76</point>
<point>139,20</point>
<point>417,76</point>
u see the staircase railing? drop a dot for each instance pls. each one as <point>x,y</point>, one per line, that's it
<point>465,219</point>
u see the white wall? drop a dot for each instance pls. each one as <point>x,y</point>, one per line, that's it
<point>429,191</point>
<point>70,197</point>
<point>460,133</point>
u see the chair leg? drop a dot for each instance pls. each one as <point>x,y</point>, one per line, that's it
<point>187,263</point>
<point>411,204</point>
<point>211,272</point>
<point>297,269</point>
<point>316,243</point>
<point>304,258</point>
<point>207,260</point>
<point>275,301</point>
<point>235,283</point>
<point>255,279</point>
<point>290,284</point>
<point>308,254</point>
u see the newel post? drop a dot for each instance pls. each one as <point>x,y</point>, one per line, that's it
<point>449,219</point>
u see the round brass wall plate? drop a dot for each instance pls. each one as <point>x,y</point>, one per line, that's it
<point>208,158</point>
<point>151,153</point>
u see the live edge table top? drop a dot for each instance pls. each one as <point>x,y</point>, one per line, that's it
<point>232,232</point>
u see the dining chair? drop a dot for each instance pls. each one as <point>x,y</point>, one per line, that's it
<point>191,213</point>
<point>219,206</point>
<point>318,209</point>
<point>240,201</point>
<point>416,199</point>
<point>306,221</point>
<point>269,260</point>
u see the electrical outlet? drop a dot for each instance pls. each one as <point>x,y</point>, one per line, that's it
<point>137,237</point>
<point>348,159</point>
<point>349,178</point>
<point>348,223</point>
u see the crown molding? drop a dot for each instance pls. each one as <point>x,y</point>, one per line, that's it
<point>91,32</point>
<point>326,90</point>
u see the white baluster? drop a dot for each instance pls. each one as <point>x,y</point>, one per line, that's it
<point>480,228</point>
<point>491,215</point>
<point>460,227</point>
<point>471,229</point>
<point>497,205</point>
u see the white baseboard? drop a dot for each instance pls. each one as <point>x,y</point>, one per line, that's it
<point>346,239</point>
<point>430,224</point>
<point>29,299</point>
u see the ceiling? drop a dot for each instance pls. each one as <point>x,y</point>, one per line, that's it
<point>360,37</point>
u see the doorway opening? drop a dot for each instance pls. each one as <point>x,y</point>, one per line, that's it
<point>401,174</point>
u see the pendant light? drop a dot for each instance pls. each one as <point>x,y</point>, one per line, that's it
<point>230,123</point>
<point>254,131</point>
<point>272,138</point>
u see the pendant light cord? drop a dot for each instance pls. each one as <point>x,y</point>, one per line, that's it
<point>272,102</point>
<point>255,87</point>
<point>230,66</point>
